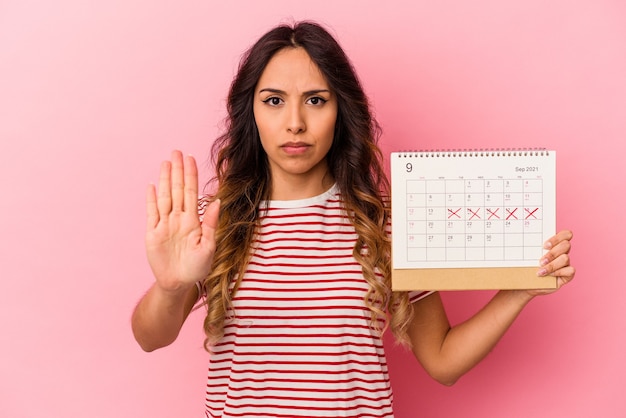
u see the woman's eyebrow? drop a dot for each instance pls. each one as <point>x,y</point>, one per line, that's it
<point>270,90</point>
<point>306,93</point>
<point>316,91</point>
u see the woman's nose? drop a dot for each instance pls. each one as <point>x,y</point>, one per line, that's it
<point>295,119</point>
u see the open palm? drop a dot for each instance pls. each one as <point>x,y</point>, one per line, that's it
<point>179,245</point>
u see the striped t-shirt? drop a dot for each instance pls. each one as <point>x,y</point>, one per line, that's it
<point>299,342</point>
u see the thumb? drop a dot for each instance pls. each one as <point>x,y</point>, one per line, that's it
<point>209,221</point>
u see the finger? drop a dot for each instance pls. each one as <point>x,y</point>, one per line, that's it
<point>191,184</point>
<point>152,211</point>
<point>558,263</point>
<point>564,276</point>
<point>164,196</point>
<point>211,215</point>
<point>566,273</point>
<point>209,222</point>
<point>177,181</point>
<point>563,247</point>
<point>565,235</point>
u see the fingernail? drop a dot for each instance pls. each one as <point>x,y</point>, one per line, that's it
<point>542,272</point>
<point>544,261</point>
<point>547,245</point>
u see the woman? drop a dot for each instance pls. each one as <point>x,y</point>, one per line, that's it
<point>292,253</point>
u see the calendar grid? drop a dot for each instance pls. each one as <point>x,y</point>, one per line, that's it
<point>474,219</point>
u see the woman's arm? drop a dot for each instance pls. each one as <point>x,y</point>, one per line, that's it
<point>180,251</point>
<point>160,314</point>
<point>449,352</point>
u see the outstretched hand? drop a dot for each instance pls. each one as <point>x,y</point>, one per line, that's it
<point>179,246</point>
<point>556,261</point>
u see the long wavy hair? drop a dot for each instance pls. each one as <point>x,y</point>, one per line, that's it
<point>243,179</point>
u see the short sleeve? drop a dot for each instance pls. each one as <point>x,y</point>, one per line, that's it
<point>416,295</point>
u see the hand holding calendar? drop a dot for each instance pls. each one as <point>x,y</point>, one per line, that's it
<point>556,262</point>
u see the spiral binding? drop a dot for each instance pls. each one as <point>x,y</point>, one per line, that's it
<point>492,152</point>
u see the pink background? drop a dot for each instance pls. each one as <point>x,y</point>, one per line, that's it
<point>93,95</point>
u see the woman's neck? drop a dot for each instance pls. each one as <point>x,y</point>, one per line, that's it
<point>299,187</point>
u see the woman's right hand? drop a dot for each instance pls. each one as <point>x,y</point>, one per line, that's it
<point>179,246</point>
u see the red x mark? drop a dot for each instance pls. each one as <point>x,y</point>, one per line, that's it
<point>531,213</point>
<point>493,213</point>
<point>511,214</point>
<point>474,214</point>
<point>452,213</point>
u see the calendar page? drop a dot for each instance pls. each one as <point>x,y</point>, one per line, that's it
<point>464,209</point>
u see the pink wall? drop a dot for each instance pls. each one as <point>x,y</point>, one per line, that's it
<point>94,94</point>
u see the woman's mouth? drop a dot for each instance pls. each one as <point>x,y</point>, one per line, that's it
<point>295,148</point>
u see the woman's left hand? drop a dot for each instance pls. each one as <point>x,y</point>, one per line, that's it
<point>556,261</point>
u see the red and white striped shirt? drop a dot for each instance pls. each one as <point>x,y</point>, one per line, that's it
<point>299,342</point>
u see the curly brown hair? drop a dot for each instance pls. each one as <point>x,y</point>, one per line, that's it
<point>243,178</point>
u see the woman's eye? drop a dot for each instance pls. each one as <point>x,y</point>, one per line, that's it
<point>317,101</point>
<point>272,101</point>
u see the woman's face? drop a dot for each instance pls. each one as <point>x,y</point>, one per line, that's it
<point>295,112</point>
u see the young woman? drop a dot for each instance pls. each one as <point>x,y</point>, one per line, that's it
<point>292,254</point>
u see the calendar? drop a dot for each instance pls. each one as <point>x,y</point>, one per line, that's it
<point>477,209</point>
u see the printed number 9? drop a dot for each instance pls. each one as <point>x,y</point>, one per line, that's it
<point>409,167</point>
